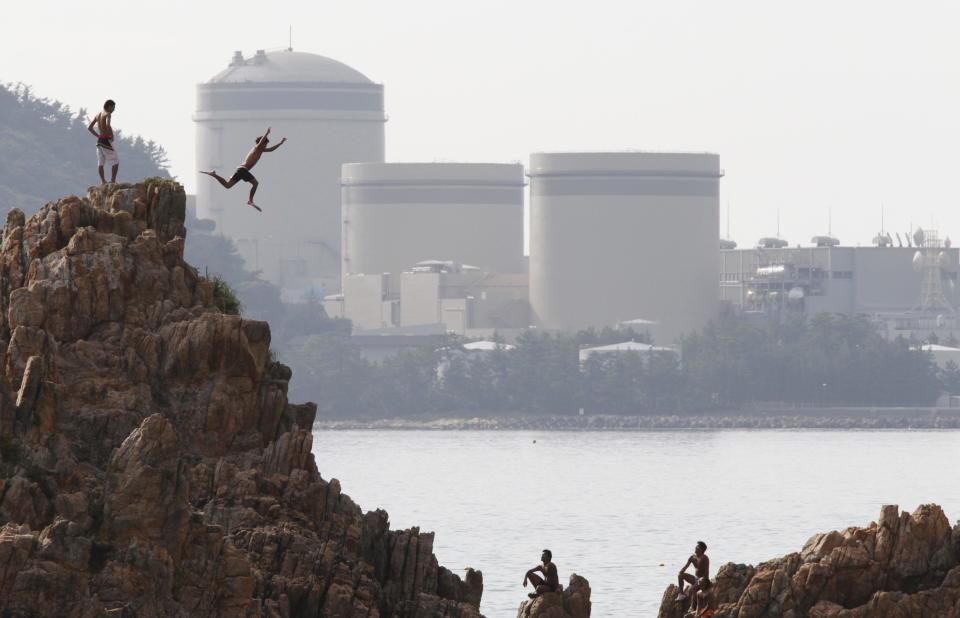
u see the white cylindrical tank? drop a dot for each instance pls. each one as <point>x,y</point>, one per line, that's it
<point>624,236</point>
<point>398,214</point>
<point>331,114</point>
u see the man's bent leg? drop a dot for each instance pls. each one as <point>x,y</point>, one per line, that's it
<point>687,578</point>
<point>536,580</point>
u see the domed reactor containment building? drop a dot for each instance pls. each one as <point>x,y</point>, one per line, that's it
<point>331,114</point>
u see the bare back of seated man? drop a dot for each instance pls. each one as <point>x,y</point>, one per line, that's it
<point>550,582</point>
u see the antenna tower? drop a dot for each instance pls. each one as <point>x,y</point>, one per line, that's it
<point>930,259</point>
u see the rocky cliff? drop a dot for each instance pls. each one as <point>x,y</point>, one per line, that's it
<point>151,464</point>
<point>901,566</point>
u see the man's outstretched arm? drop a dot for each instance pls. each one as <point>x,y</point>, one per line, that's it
<point>272,148</point>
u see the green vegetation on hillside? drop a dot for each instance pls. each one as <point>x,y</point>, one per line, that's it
<point>46,151</point>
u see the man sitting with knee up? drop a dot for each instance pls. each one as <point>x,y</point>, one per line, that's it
<point>550,582</point>
<point>701,563</point>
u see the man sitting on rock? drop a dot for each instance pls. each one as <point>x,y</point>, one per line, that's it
<point>703,605</point>
<point>550,582</point>
<point>243,172</point>
<point>701,563</point>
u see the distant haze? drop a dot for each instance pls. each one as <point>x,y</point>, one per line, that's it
<point>810,105</point>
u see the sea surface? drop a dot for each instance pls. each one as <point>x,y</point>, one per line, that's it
<point>625,509</point>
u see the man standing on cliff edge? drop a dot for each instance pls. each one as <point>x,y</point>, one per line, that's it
<point>243,172</point>
<point>550,582</point>
<point>104,135</point>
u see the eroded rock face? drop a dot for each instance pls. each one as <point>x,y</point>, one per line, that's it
<point>572,602</point>
<point>903,565</point>
<point>150,464</point>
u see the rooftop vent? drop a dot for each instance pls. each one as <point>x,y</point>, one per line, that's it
<point>825,241</point>
<point>237,59</point>
<point>260,57</point>
<point>769,242</point>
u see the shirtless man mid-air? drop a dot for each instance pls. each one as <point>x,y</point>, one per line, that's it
<point>243,172</point>
<point>104,135</point>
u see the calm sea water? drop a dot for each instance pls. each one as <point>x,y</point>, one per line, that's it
<point>625,509</point>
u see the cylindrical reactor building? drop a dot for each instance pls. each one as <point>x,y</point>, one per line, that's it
<point>624,236</point>
<point>398,214</point>
<point>330,114</point>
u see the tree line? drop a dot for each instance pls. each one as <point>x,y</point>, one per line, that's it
<point>826,360</point>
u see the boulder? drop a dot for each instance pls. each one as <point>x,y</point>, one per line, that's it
<point>572,602</point>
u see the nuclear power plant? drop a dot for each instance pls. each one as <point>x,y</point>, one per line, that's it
<point>615,237</point>
<point>423,249</point>
<point>331,115</point>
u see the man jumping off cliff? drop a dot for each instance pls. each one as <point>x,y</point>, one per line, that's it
<point>701,562</point>
<point>243,172</point>
<point>104,135</point>
<point>549,583</point>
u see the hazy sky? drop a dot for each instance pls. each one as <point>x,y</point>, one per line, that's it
<point>811,105</point>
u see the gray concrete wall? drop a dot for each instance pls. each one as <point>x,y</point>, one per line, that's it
<point>619,236</point>
<point>398,214</point>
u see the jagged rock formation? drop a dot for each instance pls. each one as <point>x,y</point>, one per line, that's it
<point>902,566</point>
<point>572,602</point>
<point>150,462</point>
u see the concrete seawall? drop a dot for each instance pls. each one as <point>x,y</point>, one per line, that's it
<point>793,418</point>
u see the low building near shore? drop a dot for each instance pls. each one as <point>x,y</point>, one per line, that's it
<point>470,353</point>
<point>645,350</point>
<point>942,354</point>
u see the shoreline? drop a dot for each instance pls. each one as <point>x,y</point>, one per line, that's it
<point>809,418</point>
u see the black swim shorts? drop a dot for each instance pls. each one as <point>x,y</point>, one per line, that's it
<point>243,174</point>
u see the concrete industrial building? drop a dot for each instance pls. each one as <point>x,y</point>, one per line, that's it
<point>331,115</point>
<point>827,279</point>
<point>621,236</point>
<point>398,214</point>
<point>465,301</point>
<point>909,291</point>
<point>644,350</point>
